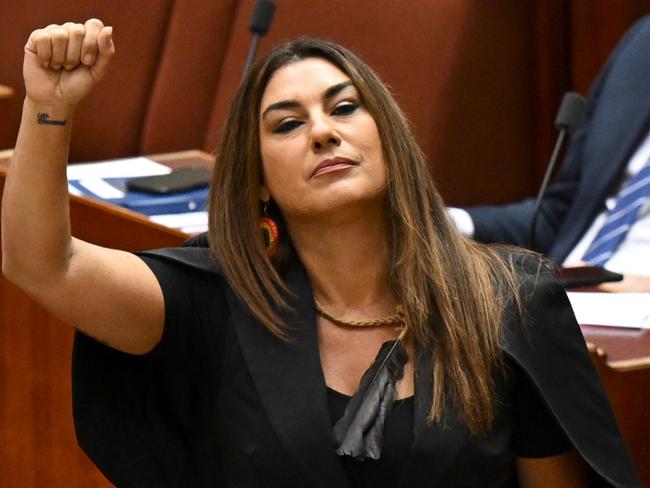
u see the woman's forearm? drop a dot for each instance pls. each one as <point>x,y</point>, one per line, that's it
<point>36,241</point>
<point>108,294</point>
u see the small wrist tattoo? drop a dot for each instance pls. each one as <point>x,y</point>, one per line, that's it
<point>44,119</point>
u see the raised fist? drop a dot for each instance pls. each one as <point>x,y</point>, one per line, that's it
<point>64,62</point>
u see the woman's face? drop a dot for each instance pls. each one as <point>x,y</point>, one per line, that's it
<point>320,148</point>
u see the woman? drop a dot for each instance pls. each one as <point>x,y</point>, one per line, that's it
<point>241,359</point>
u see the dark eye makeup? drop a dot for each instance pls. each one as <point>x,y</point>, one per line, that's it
<point>340,110</point>
<point>287,126</point>
<point>345,108</point>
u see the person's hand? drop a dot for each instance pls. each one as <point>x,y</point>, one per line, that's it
<point>630,283</point>
<point>64,62</point>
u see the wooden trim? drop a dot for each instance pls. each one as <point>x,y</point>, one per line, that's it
<point>551,54</point>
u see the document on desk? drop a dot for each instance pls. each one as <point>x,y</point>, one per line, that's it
<point>630,310</point>
<point>117,168</point>
<point>106,180</point>
<point>190,222</point>
<point>90,177</point>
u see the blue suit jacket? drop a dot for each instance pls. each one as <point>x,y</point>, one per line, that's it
<point>617,121</point>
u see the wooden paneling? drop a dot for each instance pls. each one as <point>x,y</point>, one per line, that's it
<point>551,77</point>
<point>38,447</point>
<point>596,27</point>
<point>627,391</point>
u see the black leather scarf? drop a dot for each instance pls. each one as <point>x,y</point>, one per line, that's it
<point>360,432</point>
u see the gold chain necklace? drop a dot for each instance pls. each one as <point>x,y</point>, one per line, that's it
<point>396,318</point>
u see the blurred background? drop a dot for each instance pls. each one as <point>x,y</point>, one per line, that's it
<point>480,80</point>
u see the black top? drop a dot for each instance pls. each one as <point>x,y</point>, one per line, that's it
<point>535,433</point>
<point>220,401</point>
<point>398,437</point>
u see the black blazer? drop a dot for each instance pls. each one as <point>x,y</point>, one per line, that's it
<point>616,122</point>
<point>241,408</point>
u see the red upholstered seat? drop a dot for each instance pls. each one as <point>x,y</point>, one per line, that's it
<point>179,63</point>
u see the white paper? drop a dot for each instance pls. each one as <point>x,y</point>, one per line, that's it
<point>117,168</point>
<point>194,229</point>
<point>74,191</point>
<point>101,188</point>
<point>189,222</point>
<point>612,309</point>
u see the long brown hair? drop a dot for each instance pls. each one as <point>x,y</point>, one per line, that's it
<point>454,290</point>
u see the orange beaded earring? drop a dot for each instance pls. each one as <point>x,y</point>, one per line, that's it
<point>270,233</point>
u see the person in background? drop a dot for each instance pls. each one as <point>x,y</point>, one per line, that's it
<point>338,330</point>
<point>597,209</point>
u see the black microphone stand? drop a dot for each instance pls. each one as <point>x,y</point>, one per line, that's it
<point>259,25</point>
<point>568,116</point>
<point>542,191</point>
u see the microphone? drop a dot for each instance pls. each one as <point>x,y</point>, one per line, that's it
<point>259,25</point>
<point>568,116</point>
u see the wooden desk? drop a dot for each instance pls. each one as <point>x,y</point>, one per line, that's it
<point>38,447</point>
<point>625,349</point>
<point>37,442</point>
<point>622,359</point>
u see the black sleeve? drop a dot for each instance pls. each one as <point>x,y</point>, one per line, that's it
<point>196,310</point>
<point>142,418</point>
<point>536,432</point>
<point>546,343</point>
<point>181,329</point>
